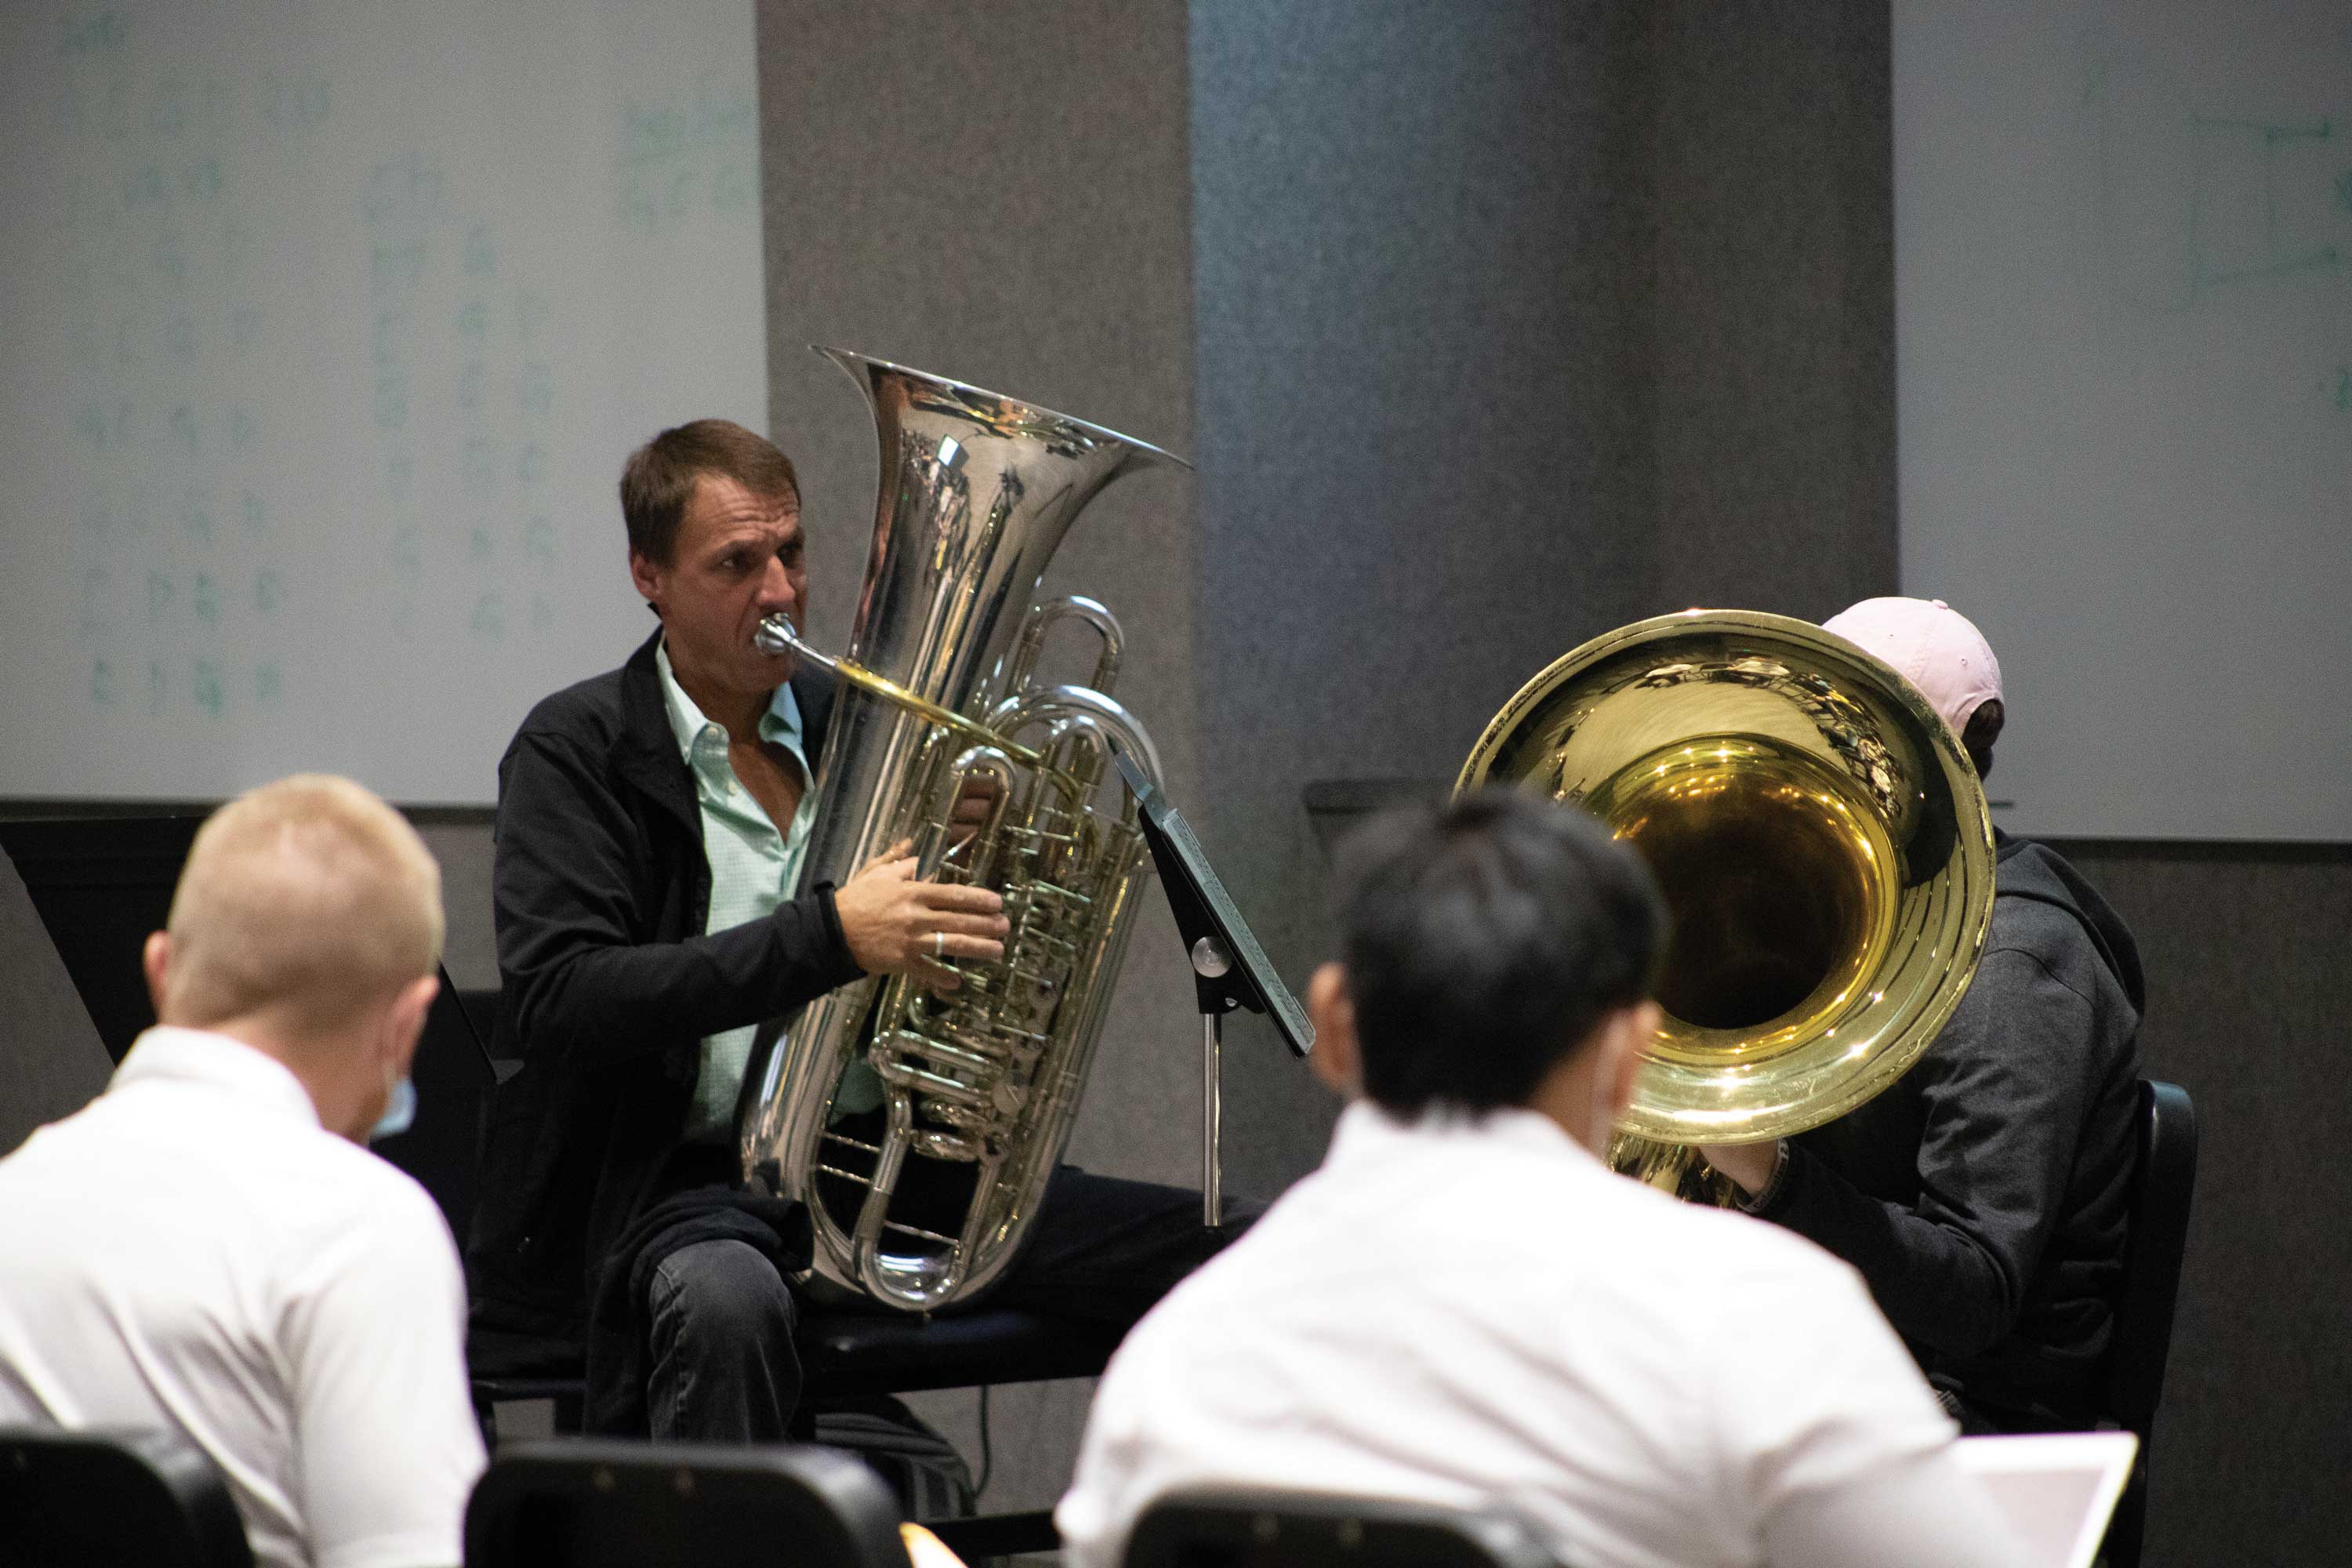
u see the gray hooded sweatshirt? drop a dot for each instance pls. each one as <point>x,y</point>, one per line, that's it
<point>1983,1195</point>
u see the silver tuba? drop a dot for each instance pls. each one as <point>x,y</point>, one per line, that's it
<point>919,1128</point>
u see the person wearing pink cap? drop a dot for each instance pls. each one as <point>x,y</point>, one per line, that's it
<point>1983,1196</point>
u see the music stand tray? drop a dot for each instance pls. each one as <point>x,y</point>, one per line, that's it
<point>1230,969</point>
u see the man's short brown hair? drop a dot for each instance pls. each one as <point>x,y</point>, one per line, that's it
<point>309,898</point>
<point>660,476</point>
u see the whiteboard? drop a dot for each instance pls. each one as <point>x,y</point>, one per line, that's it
<point>325,328</point>
<point>2123,335</point>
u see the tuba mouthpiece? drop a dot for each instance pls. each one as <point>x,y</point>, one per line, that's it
<point>775,635</point>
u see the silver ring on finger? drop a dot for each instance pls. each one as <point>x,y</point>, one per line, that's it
<point>938,945</point>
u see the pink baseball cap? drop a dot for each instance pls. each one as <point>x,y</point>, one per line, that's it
<point>1930,644</point>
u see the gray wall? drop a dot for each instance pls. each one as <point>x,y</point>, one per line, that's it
<point>1425,469</point>
<point>461,842</point>
<point>2248,993</point>
<point>50,1058</point>
<point>1773,353</point>
<point>1000,195</point>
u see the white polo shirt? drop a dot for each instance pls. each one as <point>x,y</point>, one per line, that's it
<point>192,1251</point>
<point>1467,1311</point>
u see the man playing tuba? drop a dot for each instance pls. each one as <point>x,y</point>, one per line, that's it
<point>650,826</point>
<point>1983,1195</point>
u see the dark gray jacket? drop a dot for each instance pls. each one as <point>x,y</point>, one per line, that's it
<point>1982,1197</point>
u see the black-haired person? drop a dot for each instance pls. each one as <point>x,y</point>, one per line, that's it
<point>1464,1306</point>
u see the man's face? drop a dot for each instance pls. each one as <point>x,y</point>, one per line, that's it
<point>736,561</point>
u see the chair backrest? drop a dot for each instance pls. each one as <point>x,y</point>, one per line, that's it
<point>1242,1528</point>
<point>2161,1190</point>
<point>580,1502</point>
<point>82,1500</point>
<point>2162,1185</point>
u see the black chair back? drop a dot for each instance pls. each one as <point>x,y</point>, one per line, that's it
<point>96,1499</point>
<point>1238,1528</point>
<point>2162,1187</point>
<point>594,1503</point>
<point>2161,1192</point>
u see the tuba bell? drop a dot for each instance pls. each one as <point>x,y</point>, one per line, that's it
<point>919,1128</point>
<point>1822,843</point>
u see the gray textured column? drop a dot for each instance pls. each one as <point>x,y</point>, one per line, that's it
<point>1001,194</point>
<point>1774,305</point>
<point>1425,470</point>
<point>50,1060</point>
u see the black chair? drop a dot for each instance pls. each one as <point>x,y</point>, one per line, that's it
<point>580,1502</point>
<point>851,1355</point>
<point>848,1358</point>
<point>2162,1186</point>
<point>1223,1529</point>
<point>97,1499</point>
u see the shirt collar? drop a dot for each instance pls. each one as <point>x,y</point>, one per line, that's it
<point>1367,1132</point>
<point>781,723</point>
<point>168,1054</point>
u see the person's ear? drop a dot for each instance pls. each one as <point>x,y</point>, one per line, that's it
<point>1983,731</point>
<point>647,576</point>
<point>404,1022</point>
<point>155,961</point>
<point>1632,1029</point>
<point>1337,1058</point>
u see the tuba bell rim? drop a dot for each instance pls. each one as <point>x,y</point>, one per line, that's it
<point>859,368</point>
<point>1899,758</point>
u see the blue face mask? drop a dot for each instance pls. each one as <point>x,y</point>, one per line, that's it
<point>399,1115</point>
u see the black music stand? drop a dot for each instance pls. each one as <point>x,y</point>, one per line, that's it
<point>1229,969</point>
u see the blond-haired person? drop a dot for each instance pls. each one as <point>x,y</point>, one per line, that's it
<point>208,1247</point>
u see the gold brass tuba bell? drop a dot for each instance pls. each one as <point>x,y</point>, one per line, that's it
<point>1822,844</point>
<point>919,1128</point>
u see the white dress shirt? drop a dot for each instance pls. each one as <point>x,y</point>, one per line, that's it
<point>1468,1312</point>
<point>192,1251</point>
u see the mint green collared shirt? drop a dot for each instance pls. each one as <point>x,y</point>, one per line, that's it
<point>753,867</point>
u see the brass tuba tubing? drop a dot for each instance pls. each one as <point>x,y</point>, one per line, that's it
<point>778,635</point>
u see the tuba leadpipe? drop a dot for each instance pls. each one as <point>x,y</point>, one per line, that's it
<point>919,1128</point>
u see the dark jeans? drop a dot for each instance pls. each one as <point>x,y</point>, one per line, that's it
<point>723,1367</point>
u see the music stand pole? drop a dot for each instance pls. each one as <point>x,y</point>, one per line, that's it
<point>1210,962</point>
<point>1229,969</point>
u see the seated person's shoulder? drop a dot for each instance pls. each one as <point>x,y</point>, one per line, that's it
<point>2030,940</point>
<point>1796,1353</point>
<point>586,713</point>
<point>2047,913</point>
<point>1720,1254</point>
<point>356,1194</point>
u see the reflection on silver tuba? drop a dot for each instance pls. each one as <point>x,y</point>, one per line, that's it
<point>917,1127</point>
